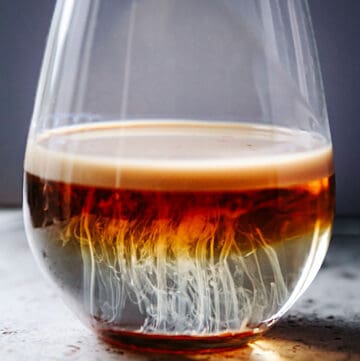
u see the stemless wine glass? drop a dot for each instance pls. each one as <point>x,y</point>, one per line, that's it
<point>179,185</point>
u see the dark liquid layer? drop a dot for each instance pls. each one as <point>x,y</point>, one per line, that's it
<point>176,344</point>
<point>181,217</point>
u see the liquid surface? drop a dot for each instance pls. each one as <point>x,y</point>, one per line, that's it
<point>188,235</point>
<point>179,156</point>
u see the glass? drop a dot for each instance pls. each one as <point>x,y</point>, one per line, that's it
<point>179,184</point>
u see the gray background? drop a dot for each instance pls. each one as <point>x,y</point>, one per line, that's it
<point>23,30</point>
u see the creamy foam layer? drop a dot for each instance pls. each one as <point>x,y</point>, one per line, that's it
<point>179,155</point>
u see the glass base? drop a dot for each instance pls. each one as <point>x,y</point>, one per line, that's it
<point>181,344</point>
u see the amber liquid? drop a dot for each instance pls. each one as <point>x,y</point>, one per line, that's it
<point>178,269</point>
<point>198,224</point>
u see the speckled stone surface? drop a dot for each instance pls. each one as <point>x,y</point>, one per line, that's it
<point>36,325</point>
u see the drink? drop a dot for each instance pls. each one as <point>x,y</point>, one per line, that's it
<point>204,239</point>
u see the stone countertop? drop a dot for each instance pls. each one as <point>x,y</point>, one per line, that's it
<point>36,325</point>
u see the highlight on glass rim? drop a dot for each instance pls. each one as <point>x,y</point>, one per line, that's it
<point>179,181</point>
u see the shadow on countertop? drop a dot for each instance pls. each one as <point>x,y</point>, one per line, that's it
<point>330,334</point>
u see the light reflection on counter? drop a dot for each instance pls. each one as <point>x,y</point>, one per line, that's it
<point>268,349</point>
